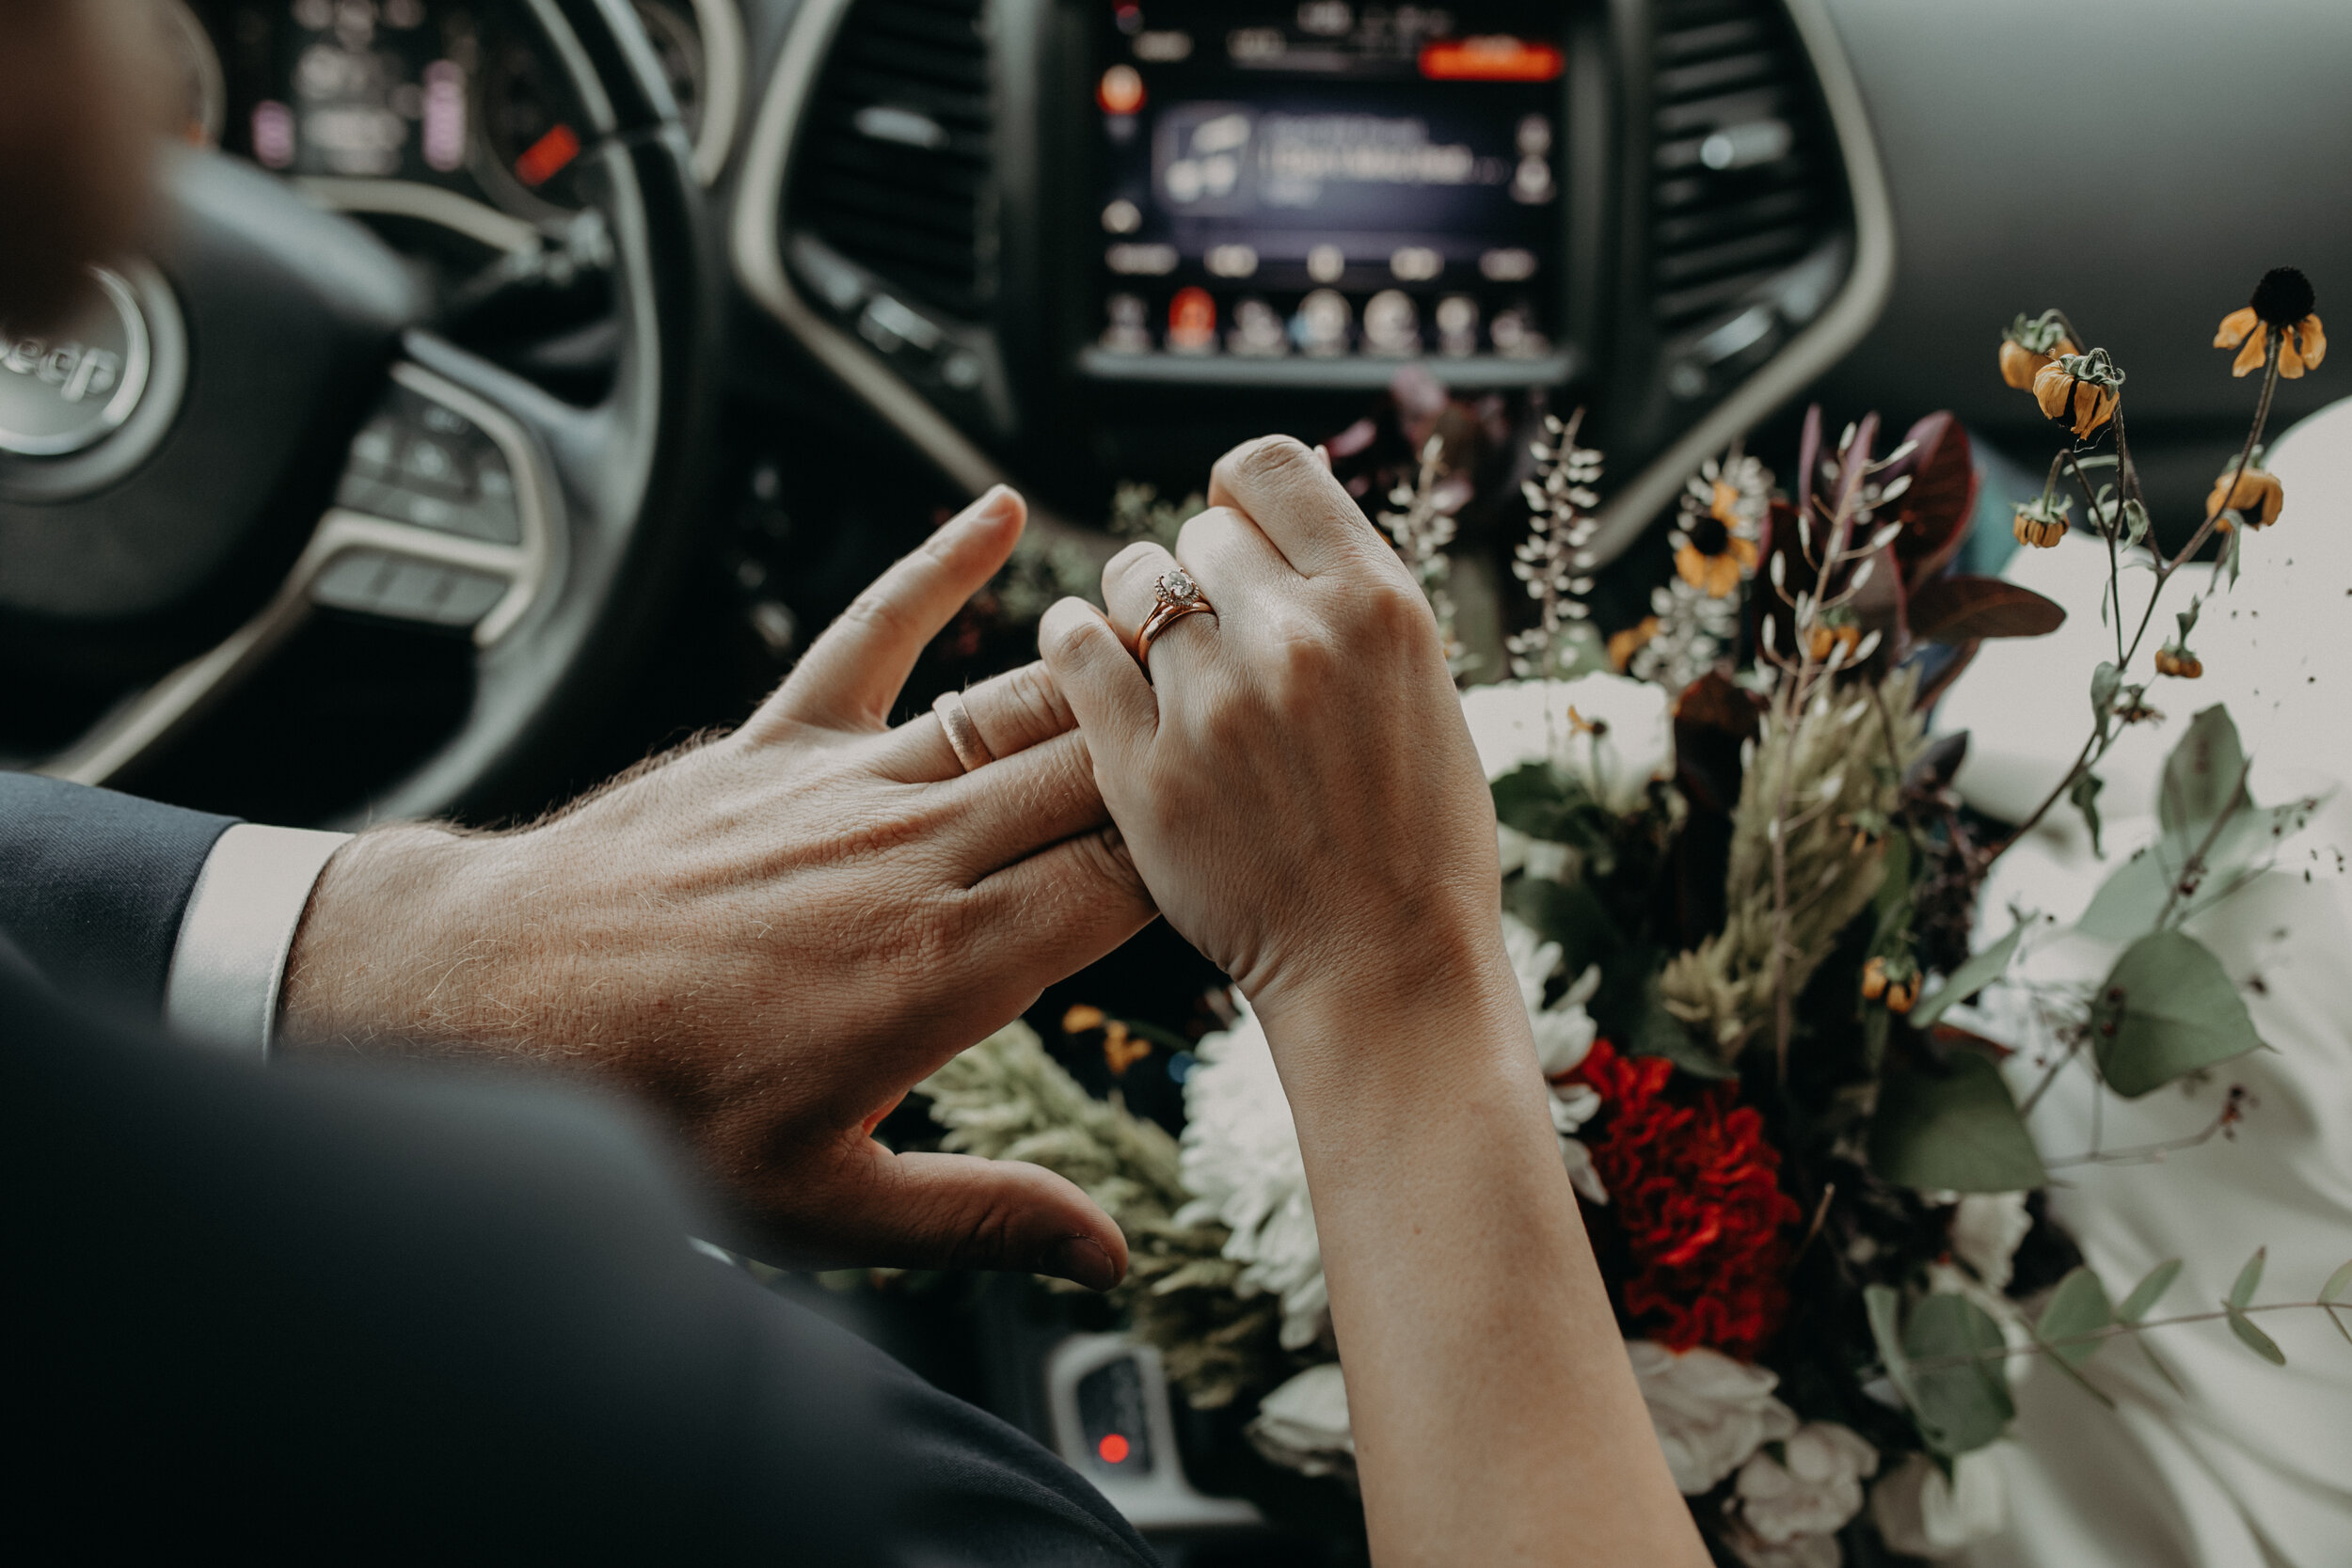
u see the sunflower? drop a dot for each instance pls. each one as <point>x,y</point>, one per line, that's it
<point>2283,304</point>
<point>1712,559</point>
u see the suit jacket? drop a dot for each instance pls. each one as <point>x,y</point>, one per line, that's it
<point>360,1313</point>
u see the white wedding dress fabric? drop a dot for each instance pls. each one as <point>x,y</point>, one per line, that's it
<point>2252,1466</point>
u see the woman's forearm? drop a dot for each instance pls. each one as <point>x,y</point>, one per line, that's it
<point>1495,1413</point>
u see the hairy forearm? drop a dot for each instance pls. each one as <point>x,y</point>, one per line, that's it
<point>1495,1413</point>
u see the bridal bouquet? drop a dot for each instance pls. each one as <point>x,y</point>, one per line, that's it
<point>1742,902</point>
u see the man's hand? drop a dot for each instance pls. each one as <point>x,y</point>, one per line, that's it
<point>774,936</point>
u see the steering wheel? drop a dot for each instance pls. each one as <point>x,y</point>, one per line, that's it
<point>258,420</point>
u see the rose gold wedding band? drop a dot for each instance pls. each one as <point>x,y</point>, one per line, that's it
<point>963,737</point>
<point>1175,596</point>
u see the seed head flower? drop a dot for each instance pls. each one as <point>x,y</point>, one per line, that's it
<point>2079,389</point>
<point>2042,523</point>
<point>2029,345</point>
<point>2256,498</point>
<point>2178,662</point>
<point>2283,304</point>
<point>1712,559</point>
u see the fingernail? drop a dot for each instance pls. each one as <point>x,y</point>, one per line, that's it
<point>996,501</point>
<point>1081,1258</point>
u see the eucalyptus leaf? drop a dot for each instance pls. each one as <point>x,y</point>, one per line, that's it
<point>2338,1283</point>
<point>2079,1307</point>
<point>2152,1286</point>
<point>2249,1278</point>
<point>2255,1340</point>
<point>1884,1307</point>
<point>2166,1008</point>
<point>2204,778</point>
<point>1954,1131</point>
<point>1980,970</point>
<point>1962,1407</point>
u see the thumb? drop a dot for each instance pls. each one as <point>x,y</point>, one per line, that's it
<point>962,1212</point>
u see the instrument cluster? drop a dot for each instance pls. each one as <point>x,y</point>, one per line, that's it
<point>442,95</point>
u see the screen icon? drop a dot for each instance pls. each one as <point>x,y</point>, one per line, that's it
<point>1192,322</point>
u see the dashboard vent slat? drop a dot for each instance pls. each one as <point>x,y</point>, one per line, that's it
<point>893,167</point>
<point>1744,180</point>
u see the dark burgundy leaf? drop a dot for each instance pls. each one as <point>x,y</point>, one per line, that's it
<point>1935,510</point>
<point>1712,720</point>
<point>1960,609</point>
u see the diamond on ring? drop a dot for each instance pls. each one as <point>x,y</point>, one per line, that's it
<point>1177,587</point>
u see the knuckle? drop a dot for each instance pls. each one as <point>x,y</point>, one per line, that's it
<point>1129,565</point>
<point>1034,702</point>
<point>1269,459</point>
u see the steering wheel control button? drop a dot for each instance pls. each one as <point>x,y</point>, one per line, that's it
<point>417,462</point>
<point>61,393</point>
<point>378,583</point>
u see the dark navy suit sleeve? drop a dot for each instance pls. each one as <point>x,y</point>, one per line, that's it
<point>344,1313</point>
<point>92,885</point>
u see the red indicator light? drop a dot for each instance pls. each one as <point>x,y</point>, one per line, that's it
<point>547,157</point>
<point>1113,1448</point>
<point>1192,321</point>
<point>1121,90</point>
<point>1490,59</point>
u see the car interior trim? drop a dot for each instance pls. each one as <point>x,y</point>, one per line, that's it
<point>411,199</point>
<point>164,710</point>
<point>754,245</point>
<point>724,71</point>
<point>1869,284</point>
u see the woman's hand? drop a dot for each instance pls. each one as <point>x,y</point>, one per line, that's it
<point>1301,795</point>
<point>1294,780</point>
<point>773,936</point>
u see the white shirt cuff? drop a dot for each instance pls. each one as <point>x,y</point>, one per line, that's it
<point>230,958</point>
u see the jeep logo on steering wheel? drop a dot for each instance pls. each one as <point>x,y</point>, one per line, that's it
<point>61,393</point>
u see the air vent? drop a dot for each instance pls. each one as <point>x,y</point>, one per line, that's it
<point>1745,183</point>
<point>893,167</point>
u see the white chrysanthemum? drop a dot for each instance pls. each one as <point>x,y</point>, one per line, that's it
<point>1810,1490</point>
<point>1986,1228</point>
<point>1242,1162</point>
<point>1304,1426</point>
<point>1564,1034</point>
<point>1711,1411</point>
<point>1522,721</point>
<point>1920,1514</point>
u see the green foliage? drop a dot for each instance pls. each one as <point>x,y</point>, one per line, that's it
<point>1547,802</point>
<point>2249,1278</point>
<point>2212,838</point>
<point>2332,1292</point>
<point>2242,1291</point>
<point>1956,1130</point>
<point>2166,1008</point>
<point>1810,783</point>
<point>2078,1308</point>
<point>1980,970</point>
<point>2083,795</point>
<point>1964,1404</point>
<point>2106,681</point>
<point>1005,1098</point>
<point>2144,1294</point>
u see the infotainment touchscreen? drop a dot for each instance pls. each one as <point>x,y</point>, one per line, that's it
<point>1325,180</point>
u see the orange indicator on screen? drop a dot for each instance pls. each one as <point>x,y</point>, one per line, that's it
<point>1121,90</point>
<point>1490,59</point>
<point>1192,322</point>
<point>547,157</point>
<point>1113,1448</point>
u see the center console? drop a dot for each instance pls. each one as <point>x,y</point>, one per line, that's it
<point>1307,194</point>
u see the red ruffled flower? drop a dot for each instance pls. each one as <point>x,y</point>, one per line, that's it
<point>1696,1191</point>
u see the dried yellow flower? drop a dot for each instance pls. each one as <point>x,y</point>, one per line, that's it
<point>2257,497</point>
<point>2283,304</point>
